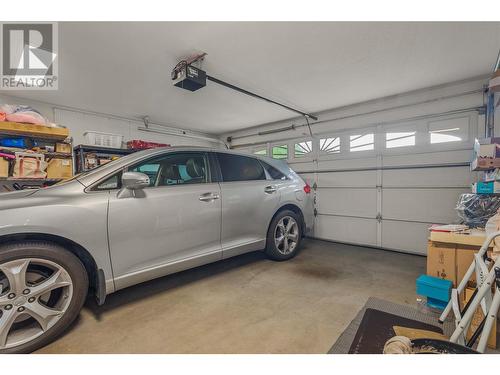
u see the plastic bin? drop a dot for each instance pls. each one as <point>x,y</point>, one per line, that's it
<point>103,139</point>
<point>436,290</point>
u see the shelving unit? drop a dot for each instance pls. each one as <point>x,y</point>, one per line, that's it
<point>33,131</point>
<point>81,151</point>
<point>43,135</point>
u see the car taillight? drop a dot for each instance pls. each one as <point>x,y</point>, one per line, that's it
<point>307,189</point>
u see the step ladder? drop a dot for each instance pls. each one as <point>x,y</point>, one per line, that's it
<point>487,275</point>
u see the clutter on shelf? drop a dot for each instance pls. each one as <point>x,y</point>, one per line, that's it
<point>486,154</point>
<point>33,152</point>
<point>137,144</point>
<point>88,157</point>
<point>101,148</point>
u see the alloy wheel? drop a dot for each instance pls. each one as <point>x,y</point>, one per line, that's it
<point>286,235</point>
<point>34,295</point>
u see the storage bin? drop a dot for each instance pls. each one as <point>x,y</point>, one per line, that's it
<point>29,165</point>
<point>13,142</point>
<point>435,289</point>
<point>103,139</point>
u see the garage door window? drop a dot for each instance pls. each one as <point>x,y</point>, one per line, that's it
<point>302,149</point>
<point>445,135</point>
<point>362,142</point>
<point>280,152</point>
<point>329,145</point>
<point>399,139</point>
<point>261,151</point>
<point>240,168</point>
<point>449,130</point>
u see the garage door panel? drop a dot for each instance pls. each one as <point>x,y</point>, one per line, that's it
<point>302,166</point>
<point>411,237</point>
<point>351,202</point>
<point>342,164</point>
<point>427,205</point>
<point>427,177</point>
<point>308,177</point>
<point>346,229</point>
<point>428,158</point>
<point>348,179</point>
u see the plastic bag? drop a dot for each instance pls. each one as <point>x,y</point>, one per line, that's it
<point>476,209</point>
<point>22,113</point>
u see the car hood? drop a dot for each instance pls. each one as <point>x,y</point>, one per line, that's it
<point>44,196</point>
<point>17,194</point>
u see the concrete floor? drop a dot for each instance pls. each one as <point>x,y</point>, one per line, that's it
<point>247,304</point>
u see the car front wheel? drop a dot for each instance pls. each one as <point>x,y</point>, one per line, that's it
<point>42,289</point>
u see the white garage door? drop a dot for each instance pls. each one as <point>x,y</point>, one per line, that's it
<point>385,185</point>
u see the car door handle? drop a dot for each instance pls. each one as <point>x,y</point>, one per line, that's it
<point>270,189</point>
<point>208,197</point>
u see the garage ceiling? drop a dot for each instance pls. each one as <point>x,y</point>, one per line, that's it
<point>124,68</point>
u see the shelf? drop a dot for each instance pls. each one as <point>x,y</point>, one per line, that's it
<point>15,179</point>
<point>34,131</point>
<point>103,150</point>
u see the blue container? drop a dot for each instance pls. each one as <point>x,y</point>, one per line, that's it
<point>13,142</point>
<point>436,290</point>
<point>485,187</point>
<point>435,303</point>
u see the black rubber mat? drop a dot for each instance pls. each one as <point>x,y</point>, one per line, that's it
<point>376,328</point>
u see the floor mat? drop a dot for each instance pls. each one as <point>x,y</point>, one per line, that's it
<point>376,328</point>
<point>348,338</point>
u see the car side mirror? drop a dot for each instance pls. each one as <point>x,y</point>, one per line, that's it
<point>134,180</point>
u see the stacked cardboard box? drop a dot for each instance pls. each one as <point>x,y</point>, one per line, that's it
<point>486,158</point>
<point>486,154</point>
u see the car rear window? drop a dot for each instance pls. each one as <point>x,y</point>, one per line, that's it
<point>274,172</point>
<point>240,168</point>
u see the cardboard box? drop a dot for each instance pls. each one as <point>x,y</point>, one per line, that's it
<point>60,168</point>
<point>464,258</point>
<point>64,148</point>
<point>477,319</point>
<point>486,154</point>
<point>441,261</point>
<point>4,167</point>
<point>484,163</point>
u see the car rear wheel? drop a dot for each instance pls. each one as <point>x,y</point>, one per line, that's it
<point>42,290</point>
<point>284,236</point>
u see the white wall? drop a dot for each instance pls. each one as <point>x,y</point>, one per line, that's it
<point>78,122</point>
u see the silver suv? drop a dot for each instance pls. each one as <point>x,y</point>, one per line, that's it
<point>143,216</point>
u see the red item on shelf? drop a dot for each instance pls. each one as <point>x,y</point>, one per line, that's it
<point>137,144</point>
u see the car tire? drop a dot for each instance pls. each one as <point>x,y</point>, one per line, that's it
<point>284,236</point>
<point>56,288</point>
